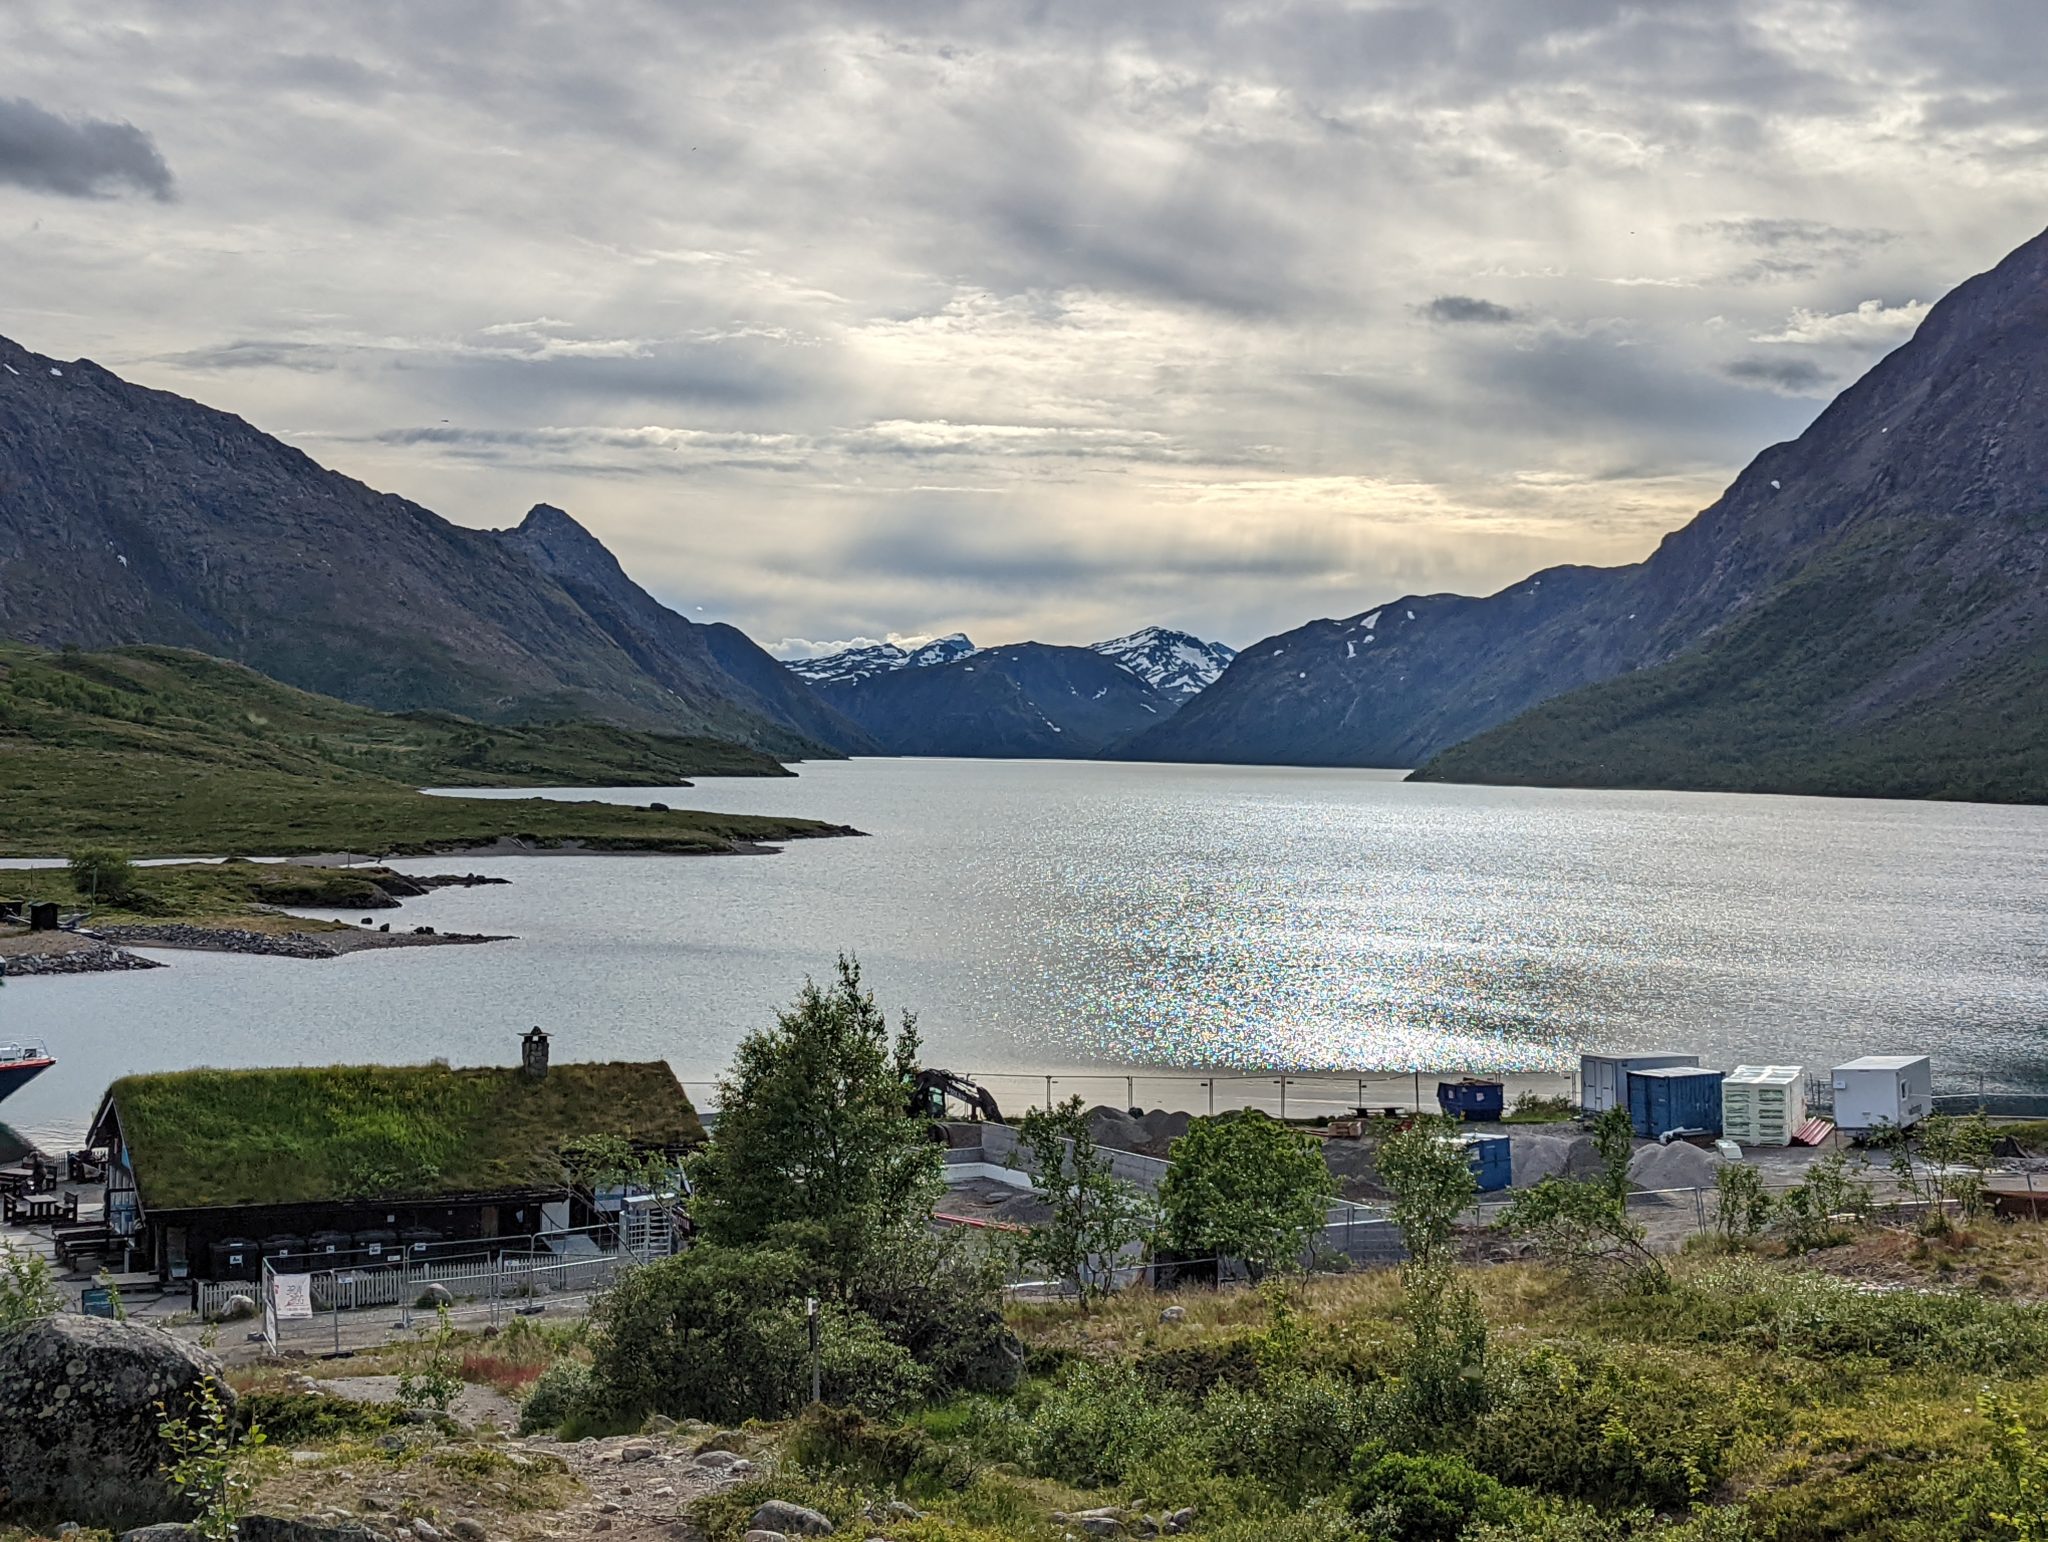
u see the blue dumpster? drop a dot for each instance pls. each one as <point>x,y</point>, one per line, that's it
<point>1472,1098</point>
<point>1492,1163</point>
<point>1670,1098</point>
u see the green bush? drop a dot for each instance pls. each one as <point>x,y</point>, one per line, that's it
<point>1425,1498</point>
<point>103,874</point>
<point>1295,1435</point>
<point>719,1334</point>
<point>1583,1427</point>
<point>1099,1422</point>
<point>557,1393</point>
<point>845,1444</point>
<point>299,1418</point>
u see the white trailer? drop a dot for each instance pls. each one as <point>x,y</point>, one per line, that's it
<point>1603,1079</point>
<point>1880,1090</point>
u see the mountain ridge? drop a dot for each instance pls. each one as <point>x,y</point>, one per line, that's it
<point>132,515</point>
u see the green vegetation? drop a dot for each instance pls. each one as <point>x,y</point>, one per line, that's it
<point>1092,1215</point>
<point>815,1135</point>
<point>287,1136</point>
<point>158,751</point>
<point>231,893</point>
<point>1787,697</point>
<point>28,1288</point>
<point>1244,1186</point>
<point>203,1440</point>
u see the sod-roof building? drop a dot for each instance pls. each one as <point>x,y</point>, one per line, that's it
<point>315,1167</point>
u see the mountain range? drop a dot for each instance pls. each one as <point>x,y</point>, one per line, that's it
<point>1864,611</point>
<point>129,515</point>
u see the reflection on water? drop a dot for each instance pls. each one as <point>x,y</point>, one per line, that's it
<point>1047,916</point>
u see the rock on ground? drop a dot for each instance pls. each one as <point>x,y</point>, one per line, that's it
<point>1676,1166</point>
<point>792,1520</point>
<point>78,1419</point>
<point>1535,1156</point>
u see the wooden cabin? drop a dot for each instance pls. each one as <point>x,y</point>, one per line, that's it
<point>317,1167</point>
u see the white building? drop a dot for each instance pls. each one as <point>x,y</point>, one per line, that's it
<point>1879,1090</point>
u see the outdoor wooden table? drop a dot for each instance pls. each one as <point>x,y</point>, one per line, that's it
<point>47,1207</point>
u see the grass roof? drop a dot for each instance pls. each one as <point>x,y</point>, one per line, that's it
<point>319,1133</point>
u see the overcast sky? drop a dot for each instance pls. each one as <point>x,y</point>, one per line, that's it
<point>853,319</point>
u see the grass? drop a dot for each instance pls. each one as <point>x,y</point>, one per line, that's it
<point>215,893</point>
<point>299,1135</point>
<point>167,752</point>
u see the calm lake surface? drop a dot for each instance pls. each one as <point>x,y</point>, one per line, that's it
<point>1048,916</point>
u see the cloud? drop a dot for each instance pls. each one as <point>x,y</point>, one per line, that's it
<point>77,157</point>
<point>1459,308</point>
<point>1871,324</point>
<point>1047,320</point>
<point>1792,376</point>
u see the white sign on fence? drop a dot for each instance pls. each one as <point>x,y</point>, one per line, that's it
<point>293,1294</point>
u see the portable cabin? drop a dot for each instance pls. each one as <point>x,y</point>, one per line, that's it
<point>1478,1099</point>
<point>1761,1105</point>
<point>1491,1159</point>
<point>1879,1090</point>
<point>1603,1079</point>
<point>1669,1100</point>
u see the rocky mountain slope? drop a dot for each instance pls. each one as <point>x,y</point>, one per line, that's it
<point>1025,700</point>
<point>682,655</point>
<point>1177,663</point>
<point>129,515</point>
<point>1865,610</point>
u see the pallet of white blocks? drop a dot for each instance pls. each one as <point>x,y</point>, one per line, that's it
<point>1761,1105</point>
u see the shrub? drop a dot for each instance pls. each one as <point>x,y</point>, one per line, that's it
<point>557,1394</point>
<point>300,1418</point>
<point>720,1334</point>
<point>1098,1423</point>
<point>1425,1498</point>
<point>845,1444</point>
<point>103,874</point>
<point>1296,1435</point>
<point>28,1290</point>
<point>1742,1207</point>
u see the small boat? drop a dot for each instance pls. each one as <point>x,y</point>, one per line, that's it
<point>21,1064</point>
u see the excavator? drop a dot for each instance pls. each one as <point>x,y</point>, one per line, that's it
<point>932,1088</point>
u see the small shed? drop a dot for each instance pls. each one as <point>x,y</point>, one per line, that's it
<point>1669,1100</point>
<point>1880,1090</point>
<point>1761,1105</point>
<point>1603,1079</point>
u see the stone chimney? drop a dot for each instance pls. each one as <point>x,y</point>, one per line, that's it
<point>533,1053</point>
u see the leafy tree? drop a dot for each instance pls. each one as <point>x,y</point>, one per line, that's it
<point>1583,1225</point>
<point>1095,1215</point>
<point>814,1134</point>
<point>102,873</point>
<point>1431,1179</point>
<point>1245,1186</point>
<point>1443,1366</point>
<point>1812,1213</point>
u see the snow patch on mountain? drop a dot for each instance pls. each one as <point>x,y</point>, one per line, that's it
<point>1176,663</point>
<point>880,659</point>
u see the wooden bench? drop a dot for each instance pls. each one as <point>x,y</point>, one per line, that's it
<point>32,1209</point>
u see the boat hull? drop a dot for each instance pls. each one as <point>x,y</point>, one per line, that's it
<point>18,1074</point>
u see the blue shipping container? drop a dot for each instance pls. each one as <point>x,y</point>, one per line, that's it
<point>1472,1098</point>
<point>1492,1161</point>
<point>1674,1098</point>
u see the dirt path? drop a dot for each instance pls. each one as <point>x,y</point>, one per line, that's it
<point>637,1487</point>
<point>478,1407</point>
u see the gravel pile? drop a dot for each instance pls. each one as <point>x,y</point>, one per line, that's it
<point>1676,1166</point>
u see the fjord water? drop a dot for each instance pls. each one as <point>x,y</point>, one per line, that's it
<point>1043,916</point>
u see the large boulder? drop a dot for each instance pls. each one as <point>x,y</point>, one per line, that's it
<point>78,1418</point>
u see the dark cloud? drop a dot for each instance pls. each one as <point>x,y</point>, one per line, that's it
<point>1459,309</point>
<point>77,157</point>
<point>1794,377</point>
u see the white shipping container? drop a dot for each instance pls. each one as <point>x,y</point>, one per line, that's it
<point>1603,1079</point>
<point>1761,1105</point>
<point>1879,1090</point>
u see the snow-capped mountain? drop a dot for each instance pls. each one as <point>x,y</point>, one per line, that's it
<point>880,659</point>
<point>1173,662</point>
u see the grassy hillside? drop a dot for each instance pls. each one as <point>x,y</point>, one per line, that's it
<point>164,751</point>
<point>1802,694</point>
